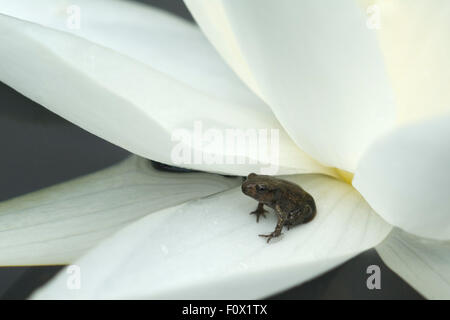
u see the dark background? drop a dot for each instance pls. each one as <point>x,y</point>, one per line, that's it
<point>39,149</point>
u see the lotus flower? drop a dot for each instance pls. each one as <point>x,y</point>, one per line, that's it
<point>362,116</point>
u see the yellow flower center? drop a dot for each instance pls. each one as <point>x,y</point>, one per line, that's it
<point>345,175</point>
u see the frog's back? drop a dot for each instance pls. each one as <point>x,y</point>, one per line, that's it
<point>297,203</point>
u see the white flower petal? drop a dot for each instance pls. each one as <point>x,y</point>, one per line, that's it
<point>424,264</point>
<point>159,40</point>
<point>405,177</point>
<point>415,41</point>
<point>210,248</point>
<point>99,78</point>
<point>58,224</point>
<point>317,65</point>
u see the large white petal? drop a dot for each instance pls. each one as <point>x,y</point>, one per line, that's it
<point>424,264</point>
<point>168,44</point>
<point>415,41</point>
<point>58,224</point>
<point>210,248</point>
<point>405,177</point>
<point>316,63</point>
<point>135,76</point>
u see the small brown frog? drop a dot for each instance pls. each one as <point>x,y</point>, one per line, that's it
<point>291,203</point>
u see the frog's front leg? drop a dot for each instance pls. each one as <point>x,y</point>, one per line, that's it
<point>279,227</point>
<point>259,211</point>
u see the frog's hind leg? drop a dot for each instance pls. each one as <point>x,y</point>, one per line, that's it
<point>260,211</point>
<point>276,232</point>
<point>280,224</point>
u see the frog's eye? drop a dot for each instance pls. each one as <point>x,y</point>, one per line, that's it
<point>261,188</point>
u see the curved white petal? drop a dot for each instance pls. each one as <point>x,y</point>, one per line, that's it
<point>316,63</point>
<point>415,41</point>
<point>58,224</point>
<point>137,78</point>
<point>424,264</point>
<point>405,177</point>
<point>210,249</point>
<point>159,40</point>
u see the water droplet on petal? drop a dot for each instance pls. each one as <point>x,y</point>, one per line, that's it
<point>164,249</point>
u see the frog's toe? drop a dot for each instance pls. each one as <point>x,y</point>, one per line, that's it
<point>271,235</point>
<point>259,213</point>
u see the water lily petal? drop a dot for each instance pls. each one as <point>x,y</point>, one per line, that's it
<point>142,100</point>
<point>405,177</point>
<point>317,65</point>
<point>58,224</point>
<point>424,264</point>
<point>209,248</point>
<point>415,44</point>
<point>161,41</point>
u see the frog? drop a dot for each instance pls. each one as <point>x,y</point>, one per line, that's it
<point>291,204</point>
